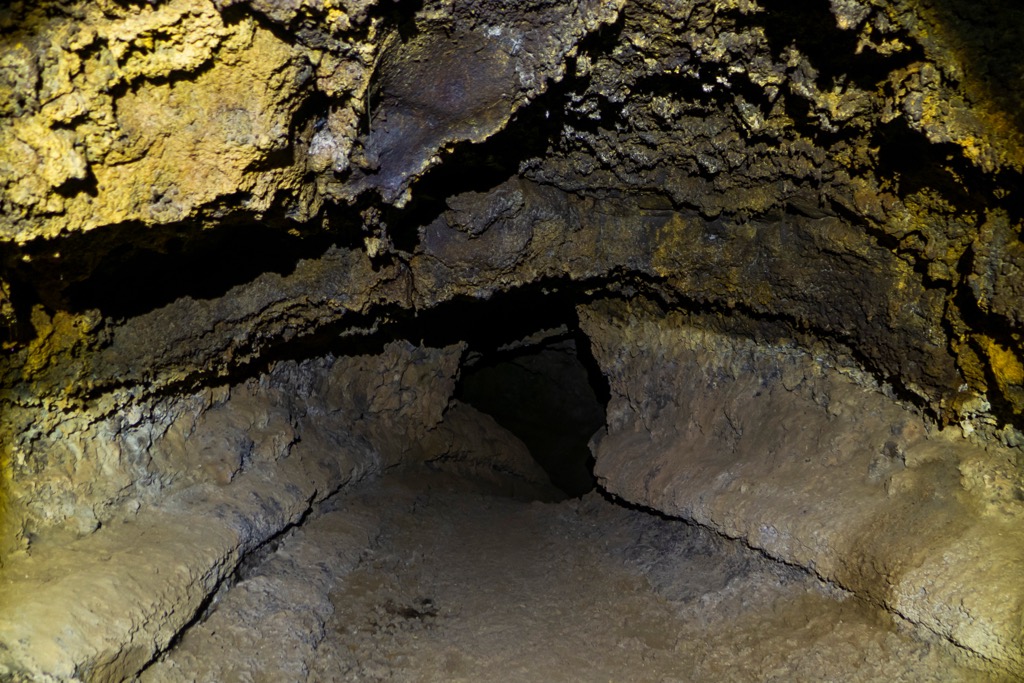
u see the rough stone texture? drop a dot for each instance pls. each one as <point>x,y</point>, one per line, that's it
<point>461,78</point>
<point>748,114</point>
<point>98,462</point>
<point>182,109</point>
<point>143,115</point>
<point>241,465</point>
<point>280,610</point>
<point>192,191</point>
<point>473,445</point>
<point>99,609</point>
<point>744,109</point>
<point>280,607</point>
<point>457,584</point>
<point>767,444</point>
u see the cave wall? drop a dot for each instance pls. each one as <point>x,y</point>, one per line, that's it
<point>808,460</point>
<point>199,196</point>
<point>159,509</point>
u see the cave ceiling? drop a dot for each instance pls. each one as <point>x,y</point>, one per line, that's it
<point>849,170</point>
<point>188,186</point>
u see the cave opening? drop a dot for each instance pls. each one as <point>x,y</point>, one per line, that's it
<point>528,365</point>
<point>543,393</point>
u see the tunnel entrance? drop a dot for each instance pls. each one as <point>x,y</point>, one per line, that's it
<point>543,393</point>
<point>528,365</point>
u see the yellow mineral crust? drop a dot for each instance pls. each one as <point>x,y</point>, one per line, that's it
<point>146,117</point>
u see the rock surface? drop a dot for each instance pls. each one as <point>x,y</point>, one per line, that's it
<point>238,237</point>
<point>802,461</point>
<point>449,582</point>
<point>227,476</point>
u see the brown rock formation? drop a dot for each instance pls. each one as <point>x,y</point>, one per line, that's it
<point>247,246</point>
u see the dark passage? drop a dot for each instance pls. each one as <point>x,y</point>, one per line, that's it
<point>542,394</point>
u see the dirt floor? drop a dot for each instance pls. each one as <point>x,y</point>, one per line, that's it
<point>425,576</point>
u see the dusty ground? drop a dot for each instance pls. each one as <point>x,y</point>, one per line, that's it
<point>423,576</point>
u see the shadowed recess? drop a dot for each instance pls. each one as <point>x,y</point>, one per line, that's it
<point>543,395</point>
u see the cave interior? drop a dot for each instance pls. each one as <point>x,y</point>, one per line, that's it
<point>510,340</point>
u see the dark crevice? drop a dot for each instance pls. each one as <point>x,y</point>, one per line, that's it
<point>833,53</point>
<point>504,318</point>
<point>811,28</point>
<point>598,381</point>
<point>398,15</point>
<point>913,163</point>
<point>179,260</point>
<point>807,123</point>
<point>997,328</point>
<point>692,90</point>
<point>129,269</point>
<point>512,315</point>
<point>87,185</point>
<point>479,167</point>
<point>1012,184</point>
<point>23,298</point>
<point>246,562</point>
<point>132,279</point>
<point>532,133</point>
<point>987,38</point>
<point>605,38</point>
<point>550,393</point>
<point>134,5</point>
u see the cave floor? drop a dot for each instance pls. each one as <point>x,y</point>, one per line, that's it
<point>426,576</point>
